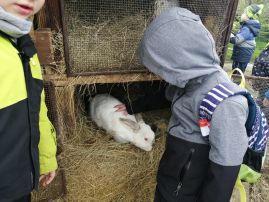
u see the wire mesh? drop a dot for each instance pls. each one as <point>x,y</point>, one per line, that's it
<point>260,86</point>
<point>214,15</point>
<point>101,36</point>
<point>50,101</point>
<point>257,86</point>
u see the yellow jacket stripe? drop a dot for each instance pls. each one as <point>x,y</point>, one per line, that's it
<point>12,81</point>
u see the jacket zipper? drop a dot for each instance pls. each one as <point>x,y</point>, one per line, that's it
<point>183,172</point>
<point>26,59</point>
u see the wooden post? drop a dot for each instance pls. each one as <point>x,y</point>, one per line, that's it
<point>43,43</point>
<point>50,16</point>
<point>229,21</point>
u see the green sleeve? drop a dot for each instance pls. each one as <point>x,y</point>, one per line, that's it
<point>47,145</point>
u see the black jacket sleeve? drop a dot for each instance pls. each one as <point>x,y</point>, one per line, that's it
<point>149,102</point>
<point>219,183</point>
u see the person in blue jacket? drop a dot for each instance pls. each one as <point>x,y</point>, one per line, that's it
<point>244,41</point>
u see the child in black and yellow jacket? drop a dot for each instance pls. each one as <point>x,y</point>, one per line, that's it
<point>27,138</point>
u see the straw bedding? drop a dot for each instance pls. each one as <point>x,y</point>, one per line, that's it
<point>99,169</point>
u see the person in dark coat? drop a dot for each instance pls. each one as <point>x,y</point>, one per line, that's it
<point>261,63</point>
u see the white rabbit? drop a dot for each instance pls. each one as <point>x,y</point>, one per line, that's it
<point>162,5</point>
<point>124,129</point>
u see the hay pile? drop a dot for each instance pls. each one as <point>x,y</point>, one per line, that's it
<point>105,46</point>
<point>260,191</point>
<point>99,169</point>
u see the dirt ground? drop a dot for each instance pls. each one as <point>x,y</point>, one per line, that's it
<point>228,67</point>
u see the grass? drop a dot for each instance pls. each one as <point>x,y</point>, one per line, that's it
<point>263,37</point>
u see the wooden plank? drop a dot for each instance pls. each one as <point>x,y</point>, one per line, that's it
<point>41,19</point>
<point>50,16</point>
<point>226,34</point>
<point>43,43</point>
<point>63,80</point>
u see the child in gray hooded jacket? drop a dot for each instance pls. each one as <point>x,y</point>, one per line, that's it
<point>178,48</point>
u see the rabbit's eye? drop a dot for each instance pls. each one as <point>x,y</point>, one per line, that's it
<point>146,139</point>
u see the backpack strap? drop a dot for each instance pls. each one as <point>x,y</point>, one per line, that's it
<point>209,104</point>
<point>256,124</point>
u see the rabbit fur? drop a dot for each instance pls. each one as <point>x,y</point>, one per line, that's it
<point>124,129</point>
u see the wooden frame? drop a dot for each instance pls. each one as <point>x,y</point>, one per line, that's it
<point>51,17</point>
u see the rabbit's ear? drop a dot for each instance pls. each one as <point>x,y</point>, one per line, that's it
<point>139,118</point>
<point>131,124</point>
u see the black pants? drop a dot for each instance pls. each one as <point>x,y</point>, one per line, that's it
<point>187,175</point>
<point>241,65</point>
<point>24,199</point>
<point>182,171</point>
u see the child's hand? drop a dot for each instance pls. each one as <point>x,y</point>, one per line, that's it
<point>47,178</point>
<point>121,108</point>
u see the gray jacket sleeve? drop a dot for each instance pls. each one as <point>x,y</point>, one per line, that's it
<point>228,137</point>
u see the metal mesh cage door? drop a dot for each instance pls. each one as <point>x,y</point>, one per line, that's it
<point>101,36</point>
<point>50,99</point>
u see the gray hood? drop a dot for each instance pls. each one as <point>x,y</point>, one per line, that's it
<point>177,47</point>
